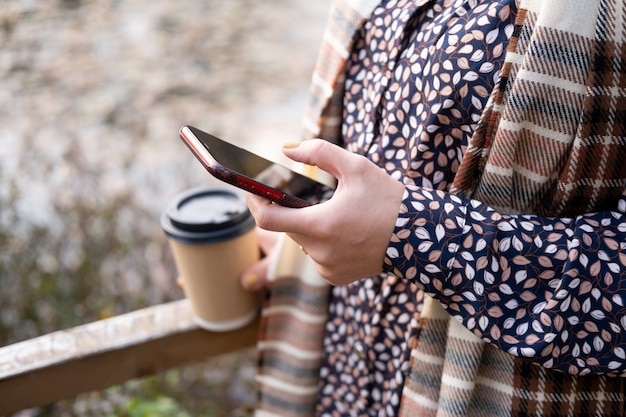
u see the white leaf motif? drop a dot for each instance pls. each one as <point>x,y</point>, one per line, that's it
<point>440,232</point>
<point>528,226</point>
<point>422,233</point>
<point>477,103</point>
<point>492,35</point>
<point>477,216</point>
<point>418,206</point>
<point>469,272</point>
<point>527,352</point>
<point>470,76</point>
<point>478,56</point>
<point>505,244</point>
<point>551,248</point>
<point>470,296</point>
<point>505,227</point>
<point>598,343</point>
<point>424,246</point>
<point>467,256</point>
<point>471,323</point>
<point>549,337</point>
<point>466,49</point>
<point>483,322</point>
<point>598,314</point>
<point>432,269</point>
<point>506,289</point>
<point>401,222</point>
<point>586,305</point>
<point>487,67</point>
<point>393,253</point>
<point>483,20</point>
<point>586,228</point>
<point>539,307</point>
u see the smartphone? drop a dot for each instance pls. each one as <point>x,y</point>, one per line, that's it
<point>252,172</point>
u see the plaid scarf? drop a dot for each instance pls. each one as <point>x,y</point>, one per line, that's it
<point>550,114</point>
<point>550,142</point>
<point>293,320</point>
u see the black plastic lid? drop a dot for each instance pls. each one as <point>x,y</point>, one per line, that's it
<point>207,215</point>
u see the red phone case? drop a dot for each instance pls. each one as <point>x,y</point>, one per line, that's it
<point>224,174</point>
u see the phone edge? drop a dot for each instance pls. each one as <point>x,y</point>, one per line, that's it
<point>247,184</point>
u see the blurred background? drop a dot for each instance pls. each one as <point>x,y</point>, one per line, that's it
<point>92,94</point>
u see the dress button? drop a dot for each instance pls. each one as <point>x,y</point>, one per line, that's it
<point>359,350</point>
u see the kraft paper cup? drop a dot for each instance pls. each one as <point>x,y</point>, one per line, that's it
<point>213,240</point>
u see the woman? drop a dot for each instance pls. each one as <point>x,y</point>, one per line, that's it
<point>500,197</point>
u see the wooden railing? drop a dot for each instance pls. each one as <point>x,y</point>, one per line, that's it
<point>105,353</point>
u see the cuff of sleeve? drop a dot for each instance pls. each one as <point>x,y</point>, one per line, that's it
<point>426,238</point>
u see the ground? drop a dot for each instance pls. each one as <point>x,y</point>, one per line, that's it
<point>92,94</point>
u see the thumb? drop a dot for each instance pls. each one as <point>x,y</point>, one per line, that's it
<point>323,154</point>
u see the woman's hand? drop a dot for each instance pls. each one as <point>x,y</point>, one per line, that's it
<point>347,236</point>
<point>255,277</point>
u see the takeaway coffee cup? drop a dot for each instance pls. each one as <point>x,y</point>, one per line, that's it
<point>212,237</point>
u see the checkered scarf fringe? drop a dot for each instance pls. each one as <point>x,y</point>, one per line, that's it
<point>516,162</point>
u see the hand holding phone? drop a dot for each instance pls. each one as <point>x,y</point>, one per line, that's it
<point>253,173</point>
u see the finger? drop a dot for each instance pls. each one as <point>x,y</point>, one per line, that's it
<point>323,154</point>
<point>276,218</point>
<point>256,202</point>
<point>255,277</point>
<point>267,240</point>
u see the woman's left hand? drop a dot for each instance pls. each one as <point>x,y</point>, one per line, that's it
<point>346,236</point>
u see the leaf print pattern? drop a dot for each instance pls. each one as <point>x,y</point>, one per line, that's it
<point>422,101</point>
<point>417,79</point>
<point>548,289</point>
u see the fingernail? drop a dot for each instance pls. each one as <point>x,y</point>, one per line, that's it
<point>250,281</point>
<point>291,144</point>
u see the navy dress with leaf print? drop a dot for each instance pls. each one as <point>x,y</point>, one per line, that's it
<point>417,79</point>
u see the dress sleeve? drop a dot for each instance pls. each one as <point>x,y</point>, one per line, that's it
<point>548,289</point>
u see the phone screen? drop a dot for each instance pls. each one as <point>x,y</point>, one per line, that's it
<point>237,166</point>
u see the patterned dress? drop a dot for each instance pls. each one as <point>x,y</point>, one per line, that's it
<point>417,81</point>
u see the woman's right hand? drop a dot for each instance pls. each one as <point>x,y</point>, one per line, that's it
<point>348,235</point>
<point>255,277</point>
